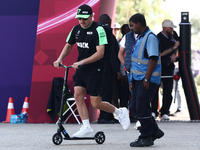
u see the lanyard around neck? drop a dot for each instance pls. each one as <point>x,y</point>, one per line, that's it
<point>135,43</point>
<point>172,39</point>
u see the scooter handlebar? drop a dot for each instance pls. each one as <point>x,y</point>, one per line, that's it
<point>61,65</point>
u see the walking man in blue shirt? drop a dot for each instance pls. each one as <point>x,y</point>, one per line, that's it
<point>145,76</point>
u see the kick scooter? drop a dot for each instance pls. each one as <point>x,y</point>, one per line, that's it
<point>61,132</point>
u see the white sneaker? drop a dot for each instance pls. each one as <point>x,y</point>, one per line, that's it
<point>137,125</point>
<point>164,117</point>
<point>84,132</point>
<point>124,118</point>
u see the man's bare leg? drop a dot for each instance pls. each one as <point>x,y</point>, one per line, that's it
<point>121,113</point>
<point>79,94</point>
<point>96,102</point>
<point>85,130</point>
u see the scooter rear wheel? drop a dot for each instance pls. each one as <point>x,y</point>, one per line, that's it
<point>99,137</point>
<point>57,138</point>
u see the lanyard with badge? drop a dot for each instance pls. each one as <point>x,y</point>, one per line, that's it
<point>172,39</point>
<point>136,41</point>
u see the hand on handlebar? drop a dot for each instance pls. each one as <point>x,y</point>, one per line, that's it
<point>57,64</point>
<point>77,65</point>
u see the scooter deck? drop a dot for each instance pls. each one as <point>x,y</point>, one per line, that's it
<point>79,138</point>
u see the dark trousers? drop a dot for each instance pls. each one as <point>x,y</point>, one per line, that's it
<point>154,103</point>
<point>167,95</point>
<point>132,103</point>
<point>143,99</point>
<point>106,94</point>
<point>121,92</point>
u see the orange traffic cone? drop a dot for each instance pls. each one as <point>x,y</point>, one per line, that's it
<point>25,105</point>
<point>10,110</point>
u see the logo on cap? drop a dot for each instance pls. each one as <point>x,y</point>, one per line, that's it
<point>78,11</point>
<point>84,11</point>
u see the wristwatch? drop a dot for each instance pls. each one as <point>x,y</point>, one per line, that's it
<point>146,80</point>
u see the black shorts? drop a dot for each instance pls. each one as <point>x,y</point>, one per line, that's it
<point>91,80</point>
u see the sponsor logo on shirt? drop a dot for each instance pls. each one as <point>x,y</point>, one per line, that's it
<point>89,32</point>
<point>102,34</point>
<point>77,34</point>
<point>82,45</point>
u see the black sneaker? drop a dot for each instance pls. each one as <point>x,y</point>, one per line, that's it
<point>177,111</point>
<point>142,142</point>
<point>157,134</point>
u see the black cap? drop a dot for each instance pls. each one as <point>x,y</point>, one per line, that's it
<point>84,11</point>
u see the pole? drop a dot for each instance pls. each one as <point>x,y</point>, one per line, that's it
<point>185,67</point>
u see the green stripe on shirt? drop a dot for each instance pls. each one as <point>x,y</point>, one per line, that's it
<point>102,35</point>
<point>69,35</point>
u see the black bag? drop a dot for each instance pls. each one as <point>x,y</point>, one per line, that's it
<point>53,106</point>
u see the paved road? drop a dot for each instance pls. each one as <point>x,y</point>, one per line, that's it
<point>179,135</point>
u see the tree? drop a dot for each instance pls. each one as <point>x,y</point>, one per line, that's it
<point>152,10</point>
<point>195,28</point>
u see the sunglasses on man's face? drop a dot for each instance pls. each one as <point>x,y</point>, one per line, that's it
<point>82,18</point>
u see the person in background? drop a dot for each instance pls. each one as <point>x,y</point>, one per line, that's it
<point>124,55</point>
<point>116,30</point>
<point>90,39</point>
<point>111,67</point>
<point>145,76</point>
<point>125,29</point>
<point>178,89</point>
<point>121,85</point>
<point>169,42</point>
<point>154,104</point>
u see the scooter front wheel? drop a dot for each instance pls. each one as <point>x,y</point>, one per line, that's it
<point>57,138</point>
<point>99,137</point>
